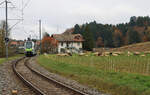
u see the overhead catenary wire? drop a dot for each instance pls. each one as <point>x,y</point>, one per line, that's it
<point>26,4</point>
<point>18,18</point>
<point>6,9</point>
<point>21,10</point>
<point>14,25</point>
<point>12,5</point>
<point>2,2</point>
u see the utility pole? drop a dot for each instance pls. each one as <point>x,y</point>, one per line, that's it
<point>6,30</point>
<point>6,22</point>
<point>40,36</point>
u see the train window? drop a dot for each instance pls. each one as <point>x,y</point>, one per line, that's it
<point>28,44</point>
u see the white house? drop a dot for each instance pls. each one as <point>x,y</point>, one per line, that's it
<point>69,42</point>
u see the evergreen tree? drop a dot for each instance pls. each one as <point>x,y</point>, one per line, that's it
<point>123,28</point>
<point>77,29</point>
<point>140,21</point>
<point>132,21</point>
<point>99,42</point>
<point>129,33</point>
<point>117,38</point>
<point>133,37</point>
<point>89,40</point>
<point>108,37</point>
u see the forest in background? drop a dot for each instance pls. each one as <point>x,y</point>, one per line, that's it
<point>97,35</point>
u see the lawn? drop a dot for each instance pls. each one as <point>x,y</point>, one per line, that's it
<point>2,60</point>
<point>122,75</point>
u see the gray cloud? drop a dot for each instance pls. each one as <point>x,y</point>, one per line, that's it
<point>62,14</point>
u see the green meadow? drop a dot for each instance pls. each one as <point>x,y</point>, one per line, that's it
<point>117,75</point>
<point>2,60</point>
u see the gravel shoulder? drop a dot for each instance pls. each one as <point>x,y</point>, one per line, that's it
<point>9,81</point>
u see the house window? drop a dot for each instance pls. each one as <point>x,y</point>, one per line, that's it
<point>68,44</point>
<point>78,43</point>
<point>61,43</point>
<point>62,50</point>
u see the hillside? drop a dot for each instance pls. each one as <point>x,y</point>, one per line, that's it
<point>140,47</point>
<point>99,35</point>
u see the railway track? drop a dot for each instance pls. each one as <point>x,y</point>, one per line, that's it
<point>39,83</point>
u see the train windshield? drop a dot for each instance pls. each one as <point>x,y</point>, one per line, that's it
<point>28,44</point>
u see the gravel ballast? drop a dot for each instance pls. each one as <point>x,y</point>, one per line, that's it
<point>47,87</point>
<point>9,81</point>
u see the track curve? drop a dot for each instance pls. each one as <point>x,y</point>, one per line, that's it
<point>59,86</point>
<point>26,82</point>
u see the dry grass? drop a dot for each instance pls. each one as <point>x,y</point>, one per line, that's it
<point>140,47</point>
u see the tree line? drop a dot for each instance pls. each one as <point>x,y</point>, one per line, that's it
<point>98,35</point>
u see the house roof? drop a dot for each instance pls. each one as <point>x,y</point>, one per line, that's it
<point>14,43</point>
<point>68,37</point>
<point>68,31</point>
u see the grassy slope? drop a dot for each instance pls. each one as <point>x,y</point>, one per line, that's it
<point>145,46</point>
<point>93,75</point>
<point>2,60</point>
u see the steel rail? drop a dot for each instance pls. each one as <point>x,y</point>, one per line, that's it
<point>27,83</point>
<point>55,81</point>
<point>34,88</point>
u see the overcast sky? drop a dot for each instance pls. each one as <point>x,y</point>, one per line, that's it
<point>58,15</point>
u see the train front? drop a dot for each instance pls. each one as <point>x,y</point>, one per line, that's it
<point>29,48</point>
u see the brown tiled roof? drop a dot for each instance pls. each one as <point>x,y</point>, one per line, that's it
<point>68,37</point>
<point>69,31</point>
<point>13,42</point>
